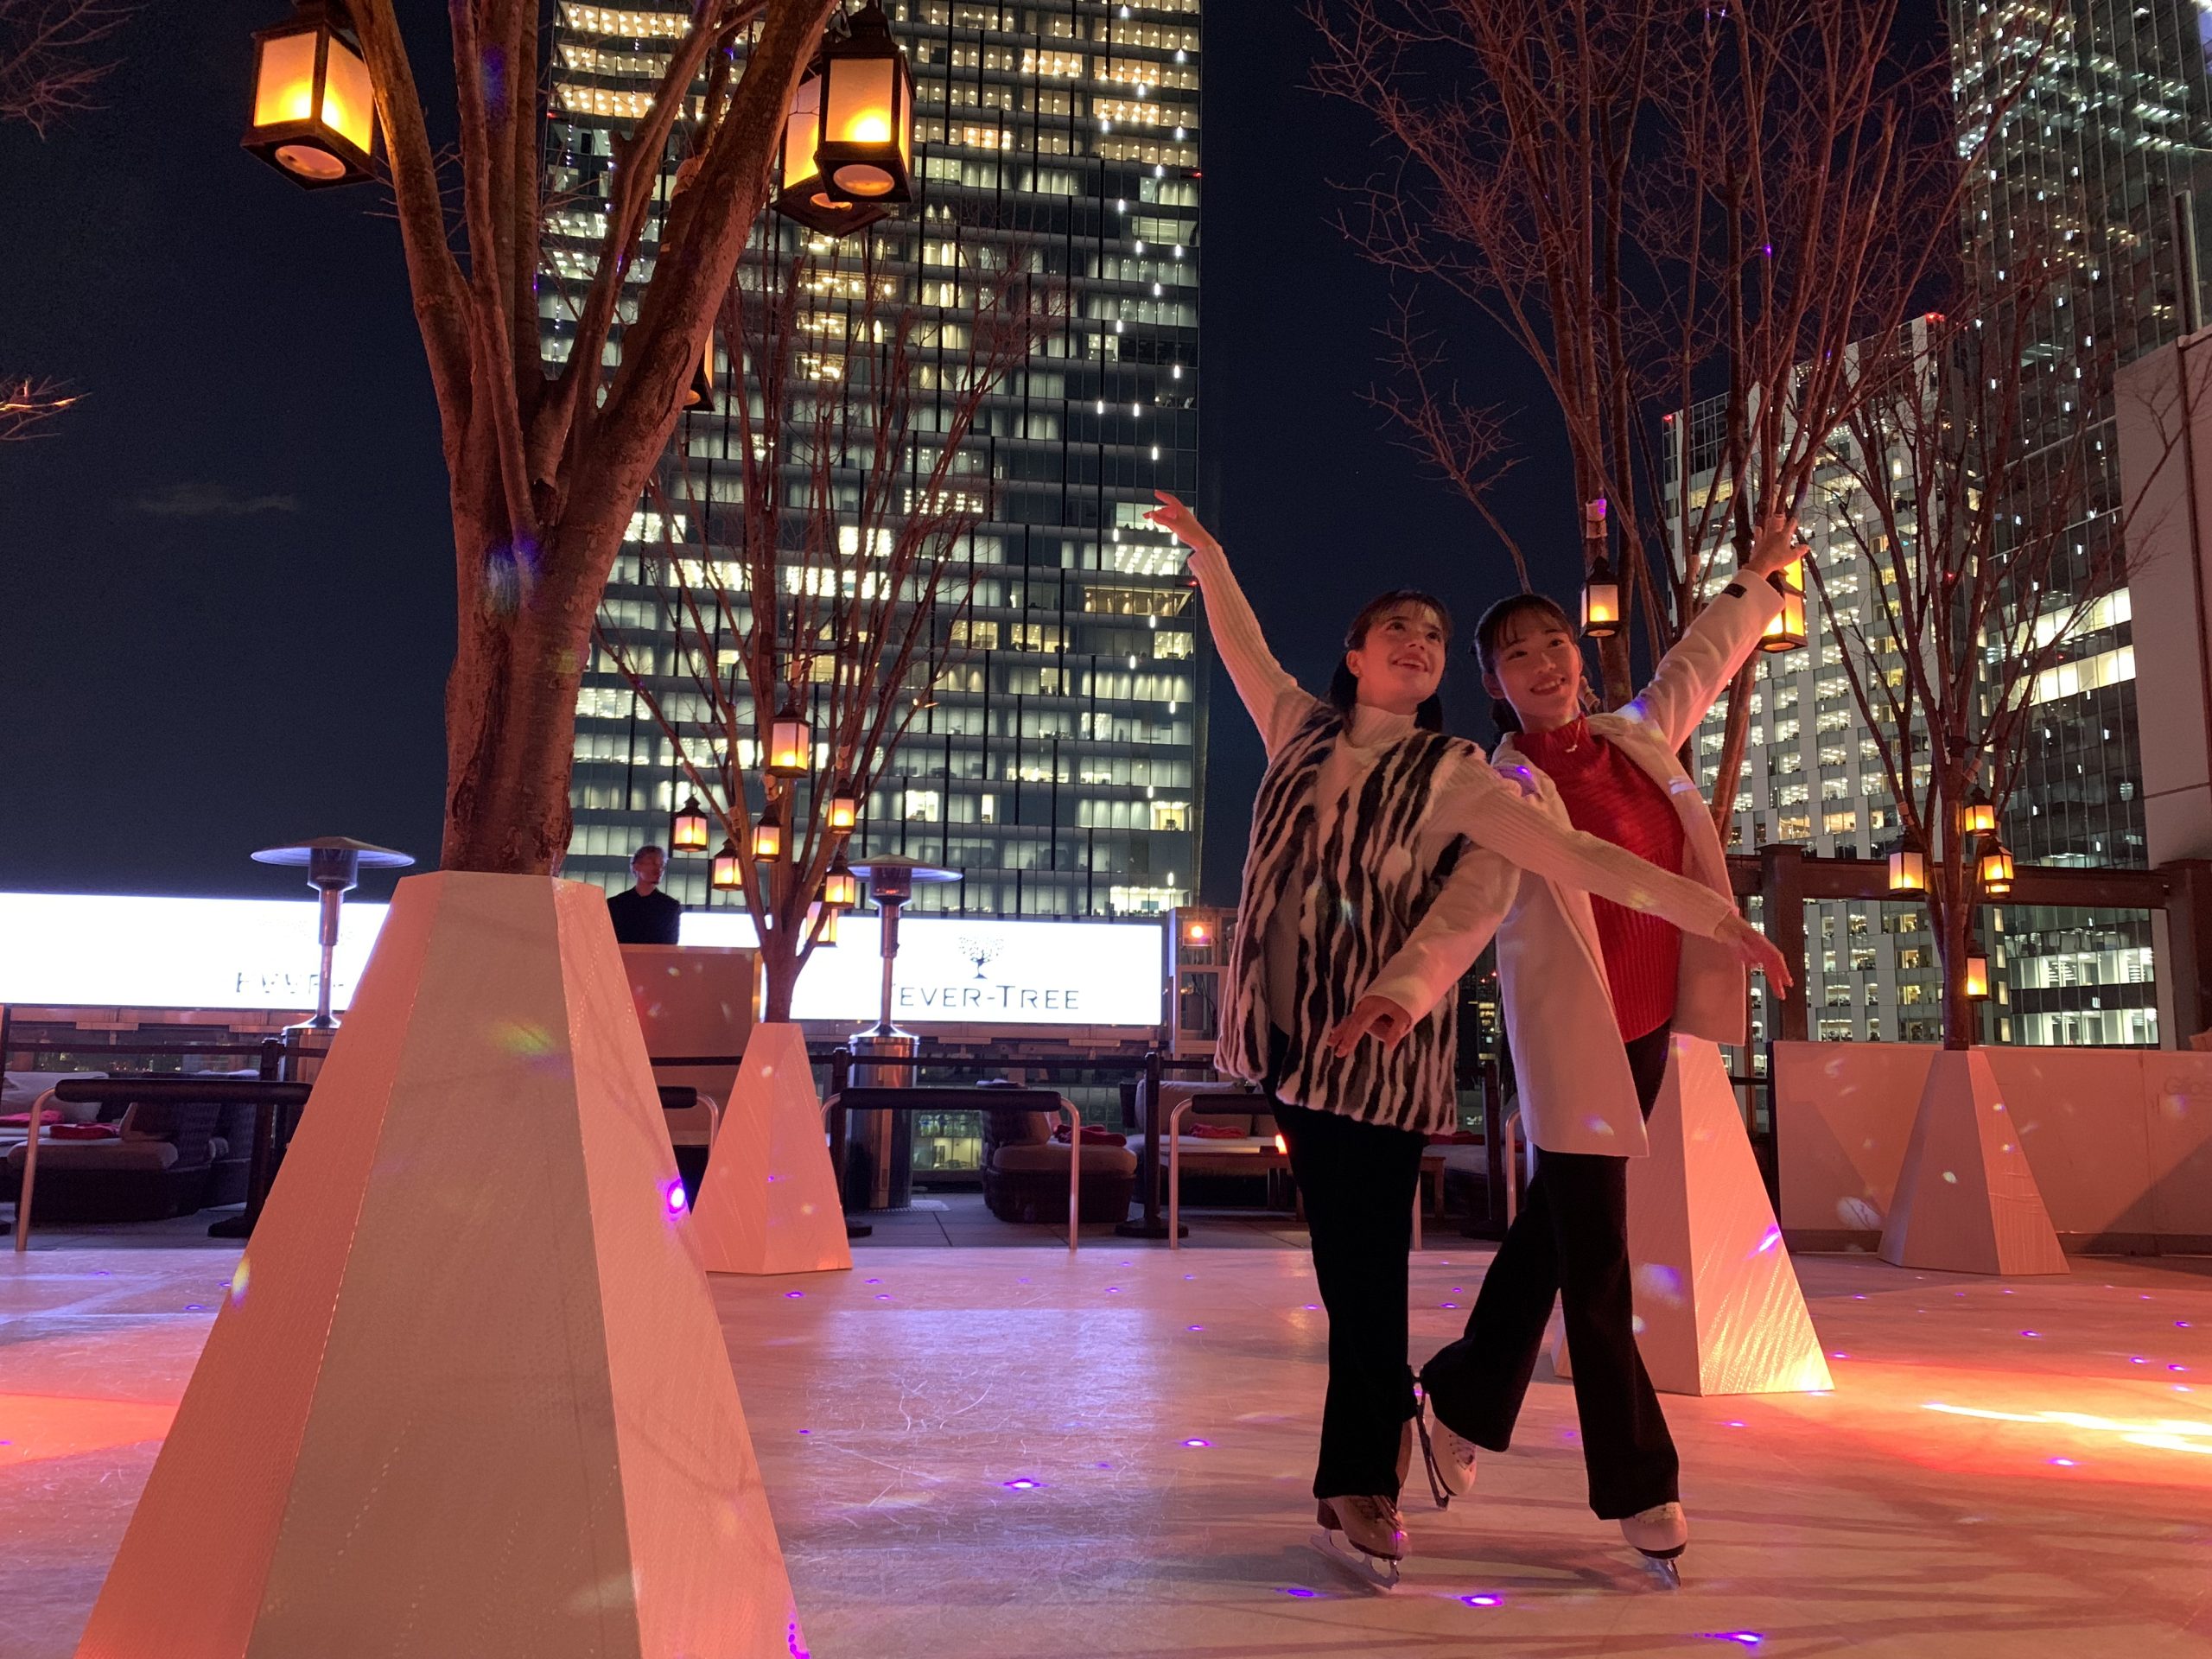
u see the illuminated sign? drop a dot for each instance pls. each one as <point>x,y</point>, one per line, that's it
<point>966,969</point>
<point>95,951</point>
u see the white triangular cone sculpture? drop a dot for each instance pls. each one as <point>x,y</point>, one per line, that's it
<point>769,1203</point>
<point>468,1395</point>
<point>1966,1200</point>
<point>1719,1308</point>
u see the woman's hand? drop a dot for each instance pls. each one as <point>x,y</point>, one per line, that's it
<point>1371,1016</point>
<point>1754,950</point>
<point>1776,547</point>
<point>1179,521</point>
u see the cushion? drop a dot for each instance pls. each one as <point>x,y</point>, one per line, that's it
<point>20,1088</point>
<point>100,1154</point>
<point>85,1132</point>
<point>1052,1158</point>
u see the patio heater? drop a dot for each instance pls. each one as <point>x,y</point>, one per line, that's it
<point>879,1173</point>
<point>333,864</point>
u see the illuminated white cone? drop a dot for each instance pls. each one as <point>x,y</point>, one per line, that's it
<point>769,1203</point>
<point>1717,1300</point>
<point>468,1395</point>
<point>1966,1200</point>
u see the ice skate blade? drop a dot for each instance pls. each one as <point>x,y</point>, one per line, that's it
<point>1666,1569</point>
<point>1372,1570</point>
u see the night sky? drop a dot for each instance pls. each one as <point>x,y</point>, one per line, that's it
<point>225,582</point>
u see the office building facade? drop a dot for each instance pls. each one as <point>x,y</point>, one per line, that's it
<point>1058,764</point>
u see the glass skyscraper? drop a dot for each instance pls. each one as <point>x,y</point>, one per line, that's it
<point>2102,162</point>
<point>1058,765</point>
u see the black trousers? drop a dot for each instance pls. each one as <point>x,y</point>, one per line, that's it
<point>1358,1181</point>
<point>1570,1240</point>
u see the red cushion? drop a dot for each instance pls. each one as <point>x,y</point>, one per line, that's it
<point>86,1132</point>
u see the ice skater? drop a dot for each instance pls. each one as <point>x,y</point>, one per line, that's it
<point>1593,991</point>
<point>1365,872</point>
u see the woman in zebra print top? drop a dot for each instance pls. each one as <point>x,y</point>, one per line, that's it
<point>1382,854</point>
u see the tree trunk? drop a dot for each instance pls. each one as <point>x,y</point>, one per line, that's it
<point>779,973</point>
<point>1959,1015</point>
<point>511,717</point>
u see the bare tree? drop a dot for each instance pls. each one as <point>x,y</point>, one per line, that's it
<point>838,588</point>
<point>1652,202</point>
<point>49,69</point>
<point>546,469</point>
<point>1972,482</point>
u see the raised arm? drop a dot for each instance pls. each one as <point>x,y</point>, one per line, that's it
<point>1276,702</point>
<point>1691,677</point>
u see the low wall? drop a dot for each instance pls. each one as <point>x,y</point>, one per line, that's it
<point>2120,1140</point>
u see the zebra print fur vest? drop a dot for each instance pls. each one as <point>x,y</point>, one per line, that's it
<point>1355,880</point>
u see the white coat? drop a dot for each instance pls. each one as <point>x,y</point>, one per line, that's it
<point>1576,1092</point>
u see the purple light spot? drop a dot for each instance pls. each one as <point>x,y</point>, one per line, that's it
<point>1733,1422</point>
<point>2136,1359</point>
<point>2177,1367</point>
<point>1839,1355</point>
<point>1773,1238</point>
<point>793,1295</point>
<point>1194,1327</point>
<point>1482,1601</point>
<point>1450,1304</point>
<point>806,1431</point>
<point>2063,1463</point>
<point>676,1198</point>
<point>1113,1290</point>
<point>1298,1589</point>
<point>1022,1484</point>
<point>1749,1638</point>
<point>2181,1324</point>
<point>2032,1334</point>
<point>1197,1443</point>
<point>1313,1307</point>
<point>1189,1276</point>
<point>882,1295</point>
<point>875,1281</point>
<point>195,1308</point>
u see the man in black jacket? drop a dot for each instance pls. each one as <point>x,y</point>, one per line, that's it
<point>643,914</point>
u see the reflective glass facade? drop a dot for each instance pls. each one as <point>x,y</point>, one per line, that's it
<point>1058,765</point>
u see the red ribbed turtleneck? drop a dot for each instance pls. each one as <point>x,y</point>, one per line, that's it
<point>1609,796</point>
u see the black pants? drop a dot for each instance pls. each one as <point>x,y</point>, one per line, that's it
<point>1570,1240</point>
<point>1358,1181</point>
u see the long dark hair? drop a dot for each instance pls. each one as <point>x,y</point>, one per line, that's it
<point>1344,684</point>
<point>1490,634</point>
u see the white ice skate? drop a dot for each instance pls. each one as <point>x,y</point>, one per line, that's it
<point>1363,1536</point>
<point>1660,1534</point>
<point>1450,1457</point>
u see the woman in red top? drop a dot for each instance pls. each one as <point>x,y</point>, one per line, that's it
<point>1576,970</point>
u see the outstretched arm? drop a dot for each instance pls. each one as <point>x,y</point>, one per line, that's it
<point>1691,677</point>
<point>1275,702</point>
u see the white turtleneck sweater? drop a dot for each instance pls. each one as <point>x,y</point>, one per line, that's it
<point>1509,833</point>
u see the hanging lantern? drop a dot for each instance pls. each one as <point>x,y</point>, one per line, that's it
<point>314,103</point>
<point>1996,867</point>
<point>1977,816</point>
<point>822,922</point>
<point>844,811</point>
<point>841,887</point>
<point>688,833</point>
<point>725,876</point>
<point>1601,601</point>
<point>1977,966</point>
<point>1908,866</point>
<point>791,744</point>
<point>1785,631</point>
<point>1197,930</point>
<point>767,836</point>
<point>865,152</point>
<point>799,192</point>
<point>699,395</point>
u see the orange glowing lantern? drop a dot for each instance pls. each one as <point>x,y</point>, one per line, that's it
<point>800,193</point>
<point>314,103</point>
<point>865,151</point>
<point>1786,630</point>
<point>767,837</point>
<point>1198,930</point>
<point>822,922</point>
<point>725,877</point>
<point>1908,866</point>
<point>840,887</point>
<point>1977,971</point>
<point>1977,816</point>
<point>791,744</point>
<point>688,833</point>
<point>1601,589</point>
<point>844,812</point>
<point>1996,867</point>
